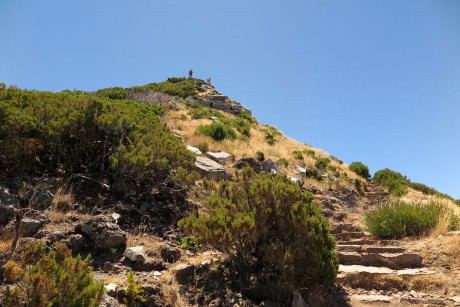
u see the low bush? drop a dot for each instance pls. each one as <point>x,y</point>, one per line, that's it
<point>313,173</point>
<point>399,219</point>
<point>322,163</point>
<point>198,112</point>
<point>297,154</point>
<point>267,224</point>
<point>396,183</point>
<point>217,131</point>
<point>360,169</point>
<point>283,162</point>
<point>309,152</point>
<point>260,156</point>
<point>337,160</point>
<point>53,278</point>
<point>248,117</point>
<point>242,126</point>
<point>134,292</point>
<point>203,147</point>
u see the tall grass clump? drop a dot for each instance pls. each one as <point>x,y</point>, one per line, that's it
<point>399,219</point>
<point>217,131</point>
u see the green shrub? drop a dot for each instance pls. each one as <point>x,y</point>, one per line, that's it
<point>76,132</point>
<point>112,93</point>
<point>399,219</point>
<point>313,173</point>
<point>454,223</point>
<point>203,147</point>
<point>283,162</point>
<point>242,126</point>
<point>189,243</point>
<point>260,156</point>
<point>266,223</point>
<point>248,117</point>
<point>322,163</point>
<point>198,112</point>
<point>134,293</point>
<point>309,152</point>
<point>270,134</point>
<point>173,86</point>
<point>360,169</point>
<point>54,279</point>
<point>337,160</point>
<point>395,182</point>
<point>297,154</point>
<point>217,131</point>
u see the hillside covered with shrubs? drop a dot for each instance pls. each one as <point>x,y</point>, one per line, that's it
<point>128,163</point>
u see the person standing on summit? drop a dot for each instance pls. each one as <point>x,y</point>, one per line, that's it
<point>190,73</point>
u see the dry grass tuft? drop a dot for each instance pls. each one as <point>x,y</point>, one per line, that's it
<point>427,283</point>
<point>63,200</point>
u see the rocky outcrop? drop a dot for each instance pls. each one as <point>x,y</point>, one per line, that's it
<point>103,232</point>
<point>31,223</point>
<point>195,150</point>
<point>8,203</point>
<point>209,97</point>
<point>210,168</point>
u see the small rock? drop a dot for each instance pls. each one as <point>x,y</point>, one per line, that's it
<point>413,293</point>
<point>210,168</point>
<point>157,273</point>
<point>185,273</point>
<point>135,253</point>
<point>111,289</point>
<point>103,232</point>
<point>219,157</point>
<point>269,164</point>
<point>170,253</point>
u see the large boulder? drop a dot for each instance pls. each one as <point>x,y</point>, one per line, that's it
<point>249,161</point>
<point>103,232</point>
<point>268,165</point>
<point>210,168</point>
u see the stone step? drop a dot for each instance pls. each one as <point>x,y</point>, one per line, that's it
<point>357,242</point>
<point>351,235</point>
<point>369,249</point>
<point>393,261</point>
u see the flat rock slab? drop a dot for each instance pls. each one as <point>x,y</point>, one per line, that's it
<point>372,298</point>
<point>383,249</point>
<point>195,150</point>
<point>418,271</point>
<point>219,157</point>
<point>269,165</point>
<point>210,168</point>
<point>394,261</point>
<point>299,170</point>
<point>364,269</point>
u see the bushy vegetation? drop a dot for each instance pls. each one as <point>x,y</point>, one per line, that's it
<point>218,131</point>
<point>180,87</point>
<point>399,219</point>
<point>267,224</point>
<point>309,152</point>
<point>44,132</point>
<point>203,147</point>
<point>297,154</point>
<point>248,117</point>
<point>52,278</point>
<point>197,111</point>
<point>260,156</point>
<point>270,134</point>
<point>283,162</point>
<point>360,169</point>
<point>134,292</point>
<point>395,182</point>
<point>322,163</point>
<point>313,173</point>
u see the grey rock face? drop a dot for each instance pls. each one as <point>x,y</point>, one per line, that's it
<point>8,202</point>
<point>210,168</point>
<point>299,170</point>
<point>253,163</point>
<point>31,223</point>
<point>269,165</point>
<point>135,253</point>
<point>103,232</point>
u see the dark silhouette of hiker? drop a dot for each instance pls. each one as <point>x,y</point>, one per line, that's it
<point>190,73</point>
<point>209,80</point>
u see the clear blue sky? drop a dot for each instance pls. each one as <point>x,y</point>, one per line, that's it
<point>372,81</point>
